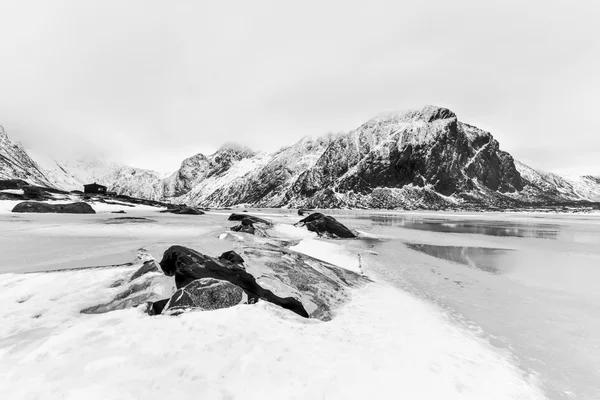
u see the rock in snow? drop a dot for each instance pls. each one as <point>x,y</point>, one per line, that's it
<point>326,225</point>
<point>263,269</point>
<point>187,265</point>
<point>231,256</point>
<point>247,219</point>
<point>205,294</point>
<point>37,207</point>
<point>183,210</point>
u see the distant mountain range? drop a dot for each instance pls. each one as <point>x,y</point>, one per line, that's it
<point>424,159</point>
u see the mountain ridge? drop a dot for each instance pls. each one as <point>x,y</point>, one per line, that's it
<point>424,158</point>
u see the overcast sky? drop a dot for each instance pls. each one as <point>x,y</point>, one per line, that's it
<point>150,82</point>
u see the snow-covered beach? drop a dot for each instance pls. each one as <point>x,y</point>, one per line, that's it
<point>404,335</point>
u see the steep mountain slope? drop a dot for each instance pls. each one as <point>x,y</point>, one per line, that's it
<point>198,168</point>
<point>16,163</point>
<point>262,180</point>
<point>542,186</point>
<point>426,151</point>
<point>422,158</point>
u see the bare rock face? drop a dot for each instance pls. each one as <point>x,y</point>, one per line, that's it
<point>188,265</point>
<point>418,149</point>
<point>326,225</point>
<point>205,294</point>
<point>37,207</point>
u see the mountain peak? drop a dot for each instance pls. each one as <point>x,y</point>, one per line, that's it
<point>426,114</point>
<point>236,147</point>
<point>431,113</point>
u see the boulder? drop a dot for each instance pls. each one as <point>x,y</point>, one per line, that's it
<point>326,225</point>
<point>118,212</point>
<point>244,228</point>
<point>157,307</point>
<point>321,287</point>
<point>249,219</point>
<point>183,210</point>
<point>205,294</point>
<point>232,257</point>
<point>37,207</point>
<point>188,265</point>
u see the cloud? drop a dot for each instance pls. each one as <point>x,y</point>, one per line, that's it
<point>150,82</point>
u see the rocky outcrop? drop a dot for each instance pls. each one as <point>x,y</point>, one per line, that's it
<point>247,226</point>
<point>205,294</point>
<point>183,210</point>
<point>259,269</point>
<point>188,265</point>
<point>37,207</point>
<point>426,148</point>
<point>249,219</point>
<point>326,225</point>
<point>321,287</point>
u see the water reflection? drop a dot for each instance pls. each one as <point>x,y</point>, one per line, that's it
<point>490,228</point>
<point>485,259</point>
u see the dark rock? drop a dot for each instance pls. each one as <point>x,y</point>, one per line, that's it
<point>183,210</point>
<point>205,294</point>
<point>12,184</point>
<point>119,212</point>
<point>244,228</point>
<point>188,265</point>
<point>302,211</point>
<point>149,266</point>
<point>157,307</point>
<point>249,219</point>
<point>248,222</point>
<point>36,207</point>
<point>35,193</point>
<point>231,256</point>
<point>326,225</point>
<point>125,220</point>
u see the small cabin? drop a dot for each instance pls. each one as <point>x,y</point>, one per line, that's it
<point>94,188</point>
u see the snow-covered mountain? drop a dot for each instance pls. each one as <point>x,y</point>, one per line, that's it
<point>418,159</point>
